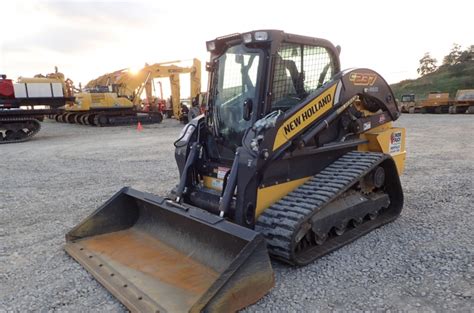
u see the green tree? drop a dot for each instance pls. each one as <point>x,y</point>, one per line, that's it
<point>453,56</point>
<point>467,55</point>
<point>427,65</point>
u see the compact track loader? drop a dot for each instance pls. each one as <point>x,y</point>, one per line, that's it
<point>293,159</point>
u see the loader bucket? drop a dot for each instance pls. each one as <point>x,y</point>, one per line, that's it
<point>157,256</point>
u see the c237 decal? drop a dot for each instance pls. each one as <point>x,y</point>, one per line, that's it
<point>363,79</point>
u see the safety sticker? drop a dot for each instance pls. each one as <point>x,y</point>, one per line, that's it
<point>217,184</point>
<point>221,171</point>
<point>367,125</point>
<point>395,142</point>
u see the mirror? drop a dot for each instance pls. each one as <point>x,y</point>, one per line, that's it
<point>247,112</point>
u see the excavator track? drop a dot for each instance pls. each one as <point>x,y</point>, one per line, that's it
<point>102,120</point>
<point>331,209</point>
<point>18,129</point>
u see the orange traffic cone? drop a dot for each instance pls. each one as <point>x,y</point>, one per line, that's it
<point>139,126</point>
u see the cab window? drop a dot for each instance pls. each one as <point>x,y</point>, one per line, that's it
<point>298,71</point>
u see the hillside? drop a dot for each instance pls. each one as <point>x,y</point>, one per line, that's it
<point>445,79</point>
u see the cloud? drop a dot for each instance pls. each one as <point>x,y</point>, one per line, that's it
<point>74,27</point>
<point>65,39</point>
<point>131,14</point>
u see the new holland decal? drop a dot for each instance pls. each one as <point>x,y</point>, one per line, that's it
<point>305,116</point>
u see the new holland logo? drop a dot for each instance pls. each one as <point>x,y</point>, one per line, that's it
<point>305,116</point>
<point>313,109</point>
<point>363,79</point>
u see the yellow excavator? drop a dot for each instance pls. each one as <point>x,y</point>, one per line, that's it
<point>293,159</point>
<point>115,98</point>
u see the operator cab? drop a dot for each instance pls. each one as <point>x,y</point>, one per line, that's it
<point>259,72</point>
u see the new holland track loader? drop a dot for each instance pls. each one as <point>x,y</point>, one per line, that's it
<point>293,159</point>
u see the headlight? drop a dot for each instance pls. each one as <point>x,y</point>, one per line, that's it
<point>211,46</point>
<point>247,38</point>
<point>261,36</point>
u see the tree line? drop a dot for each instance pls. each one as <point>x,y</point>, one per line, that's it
<point>428,64</point>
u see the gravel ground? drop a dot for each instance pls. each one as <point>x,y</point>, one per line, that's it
<point>421,262</point>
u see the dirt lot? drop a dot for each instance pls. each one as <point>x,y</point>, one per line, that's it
<point>421,262</point>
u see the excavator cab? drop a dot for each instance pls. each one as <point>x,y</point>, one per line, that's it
<point>294,158</point>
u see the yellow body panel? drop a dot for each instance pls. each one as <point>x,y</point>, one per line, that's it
<point>389,140</point>
<point>213,183</point>
<point>268,195</point>
<point>305,117</point>
<point>86,101</point>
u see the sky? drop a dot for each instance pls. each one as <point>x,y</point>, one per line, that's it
<point>86,39</point>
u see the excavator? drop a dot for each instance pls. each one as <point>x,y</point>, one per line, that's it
<point>293,159</point>
<point>114,98</point>
<point>24,104</point>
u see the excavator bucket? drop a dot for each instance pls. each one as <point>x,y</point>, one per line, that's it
<point>158,256</point>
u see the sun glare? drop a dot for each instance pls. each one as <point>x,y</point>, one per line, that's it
<point>134,70</point>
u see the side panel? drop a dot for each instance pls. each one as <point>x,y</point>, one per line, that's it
<point>87,101</point>
<point>57,90</point>
<point>20,90</point>
<point>269,195</point>
<point>389,140</point>
<point>39,90</point>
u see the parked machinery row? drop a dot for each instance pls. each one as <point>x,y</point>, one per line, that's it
<point>115,98</point>
<point>438,102</point>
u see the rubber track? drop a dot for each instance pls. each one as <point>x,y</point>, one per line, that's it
<point>283,220</point>
<point>21,119</point>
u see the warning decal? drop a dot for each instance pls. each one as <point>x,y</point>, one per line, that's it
<point>395,142</point>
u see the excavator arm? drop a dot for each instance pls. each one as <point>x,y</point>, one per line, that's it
<point>132,85</point>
